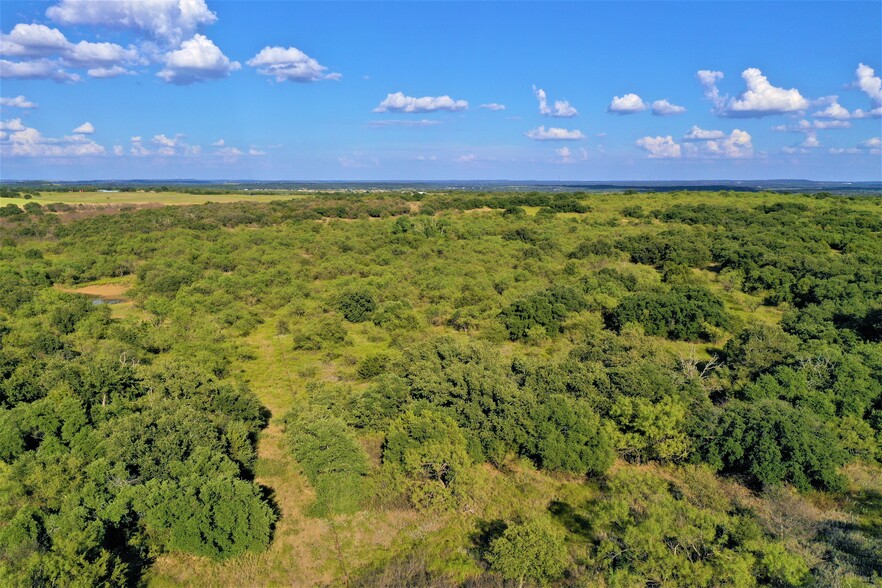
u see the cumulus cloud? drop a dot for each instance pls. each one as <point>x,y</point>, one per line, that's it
<point>382,124</point>
<point>700,143</point>
<point>708,79</point>
<point>869,83</point>
<point>218,143</point>
<point>737,145</point>
<point>137,147</point>
<point>18,140</point>
<point>17,102</point>
<point>118,150</point>
<point>660,147</point>
<point>198,60</point>
<point>85,129</point>
<point>665,108</point>
<point>12,125</point>
<point>627,104</point>
<point>834,110</point>
<point>696,133</point>
<point>291,64</point>
<point>256,152</point>
<point>872,146</point>
<point>467,158</point>
<point>568,156</point>
<point>492,106</point>
<point>163,146</point>
<point>811,140</point>
<point>32,40</point>
<point>169,21</point>
<point>37,69</point>
<point>398,102</point>
<point>34,44</point>
<point>874,113</point>
<point>561,108</point>
<point>554,134</point>
<point>760,99</point>
<point>873,143</point>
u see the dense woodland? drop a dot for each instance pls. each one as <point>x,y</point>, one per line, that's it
<point>451,389</point>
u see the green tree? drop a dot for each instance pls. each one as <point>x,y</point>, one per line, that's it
<point>533,550</point>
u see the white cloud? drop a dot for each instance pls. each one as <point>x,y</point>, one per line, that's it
<point>100,55</point>
<point>665,108</point>
<point>869,83</point>
<point>118,150</point>
<point>22,141</point>
<point>109,72</point>
<point>32,40</point>
<point>660,147</point>
<point>805,126</point>
<point>290,64</point>
<point>17,102</point>
<point>760,99</point>
<point>831,124</point>
<point>627,104</point>
<point>85,129</point>
<point>467,158</point>
<point>398,102</point>
<point>358,160</point>
<point>381,124</point>
<point>218,143</point>
<point>35,43</point>
<point>874,113</point>
<point>834,111</point>
<point>554,134</point>
<point>229,154</point>
<point>696,133</point>
<point>165,147</point>
<point>197,60</point>
<point>426,158</point>
<point>873,143</point>
<point>561,108</point>
<point>137,148</point>
<point>567,156</point>
<point>39,69</point>
<point>811,140</point>
<point>12,125</point>
<point>492,106</point>
<point>170,21</point>
<point>165,141</point>
<point>256,152</point>
<point>738,145</point>
<point>872,146</point>
<point>708,79</point>
<point>700,143</point>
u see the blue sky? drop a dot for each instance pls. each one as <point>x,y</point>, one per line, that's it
<point>414,90</point>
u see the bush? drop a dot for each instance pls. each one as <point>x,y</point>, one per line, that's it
<point>332,460</point>
<point>769,442</point>
<point>357,306</point>
<point>682,313</point>
<point>532,550</point>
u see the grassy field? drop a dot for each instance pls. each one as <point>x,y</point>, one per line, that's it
<point>140,198</point>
